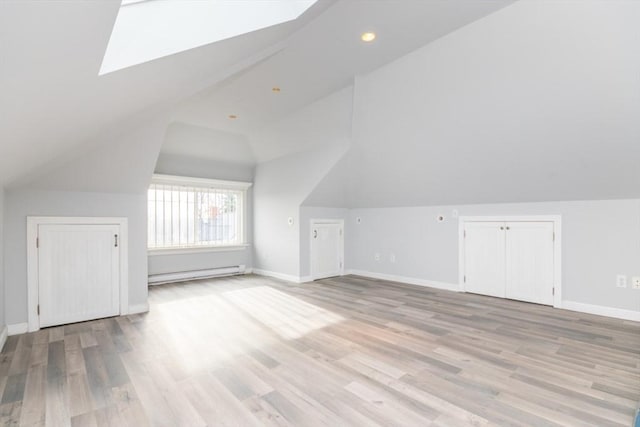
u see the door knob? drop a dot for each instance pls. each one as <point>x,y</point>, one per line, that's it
<point>315,234</point>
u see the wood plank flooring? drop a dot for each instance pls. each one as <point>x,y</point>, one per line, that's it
<point>251,351</point>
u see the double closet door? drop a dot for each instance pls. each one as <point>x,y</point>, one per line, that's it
<point>512,260</point>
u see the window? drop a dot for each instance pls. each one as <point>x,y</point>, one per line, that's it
<point>195,213</point>
<point>146,30</point>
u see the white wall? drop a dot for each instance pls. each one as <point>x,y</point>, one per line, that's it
<point>2,297</point>
<point>319,135</point>
<point>538,101</point>
<point>600,239</point>
<point>172,164</point>
<point>22,203</point>
<point>281,186</point>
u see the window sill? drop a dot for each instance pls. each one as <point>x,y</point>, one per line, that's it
<point>185,251</point>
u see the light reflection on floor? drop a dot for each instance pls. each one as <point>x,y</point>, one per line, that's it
<point>288,316</point>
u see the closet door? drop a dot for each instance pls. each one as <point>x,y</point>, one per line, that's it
<point>326,250</point>
<point>78,271</point>
<point>529,261</point>
<point>484,247</point>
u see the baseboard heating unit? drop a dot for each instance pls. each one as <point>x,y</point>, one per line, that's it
<point>183,276</point>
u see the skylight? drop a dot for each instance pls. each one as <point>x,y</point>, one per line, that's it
<point>149,29</point>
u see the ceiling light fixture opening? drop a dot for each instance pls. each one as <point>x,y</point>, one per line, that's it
<point>368,37</point>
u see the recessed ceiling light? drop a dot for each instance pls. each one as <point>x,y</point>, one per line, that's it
<point>275,89</point>
<point>368,37</point>
<point>233,116</point>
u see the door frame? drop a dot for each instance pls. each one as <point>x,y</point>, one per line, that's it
<point>33,222</point>
<point>313,222</point>
<point>557,246</point>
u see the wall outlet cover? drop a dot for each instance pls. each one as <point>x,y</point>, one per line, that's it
<point>635,282</point>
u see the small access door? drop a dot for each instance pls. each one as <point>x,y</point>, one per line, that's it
<point>484,250</point>
<point>326,249</point>
<point>529,261</point>
<point>78,272</point>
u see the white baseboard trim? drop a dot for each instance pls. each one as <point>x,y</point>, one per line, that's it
<point>17,328</point>
<point>601,310</point>
<point>281,276</point>
<point>139,308</point>
<point>409,280</point>
<point>3,336</point>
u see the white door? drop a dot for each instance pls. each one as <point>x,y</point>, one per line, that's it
<point>326,250</point>
<point>78,273</point>
<point>529,261</point>
<point>484,260</point>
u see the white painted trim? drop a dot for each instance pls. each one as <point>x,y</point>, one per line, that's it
<point>557,247</point>
<point>313,222</point>
<point>192,250</point>
<point>281,276</point>
<point>17,329</point>
<point>408,280</point>
<point>3,336</point>
<point>602,310</point>
<point>139,308</point>
<point>32,259</point>
<point>199,182</point>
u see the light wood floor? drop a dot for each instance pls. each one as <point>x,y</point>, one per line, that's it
<point>250,351</point>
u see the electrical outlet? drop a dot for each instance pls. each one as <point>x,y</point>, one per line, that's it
<point>621,281</point>
<point>376,256</point>
<point>392,258</point>
<point>635,282</point>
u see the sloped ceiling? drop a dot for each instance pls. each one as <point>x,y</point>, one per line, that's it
<point>324,56</point>
<point>54,106</point>
<point>54,103</point>
<point>539,101</point>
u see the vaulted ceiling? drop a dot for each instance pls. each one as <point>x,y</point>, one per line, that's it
<point>55,106</point>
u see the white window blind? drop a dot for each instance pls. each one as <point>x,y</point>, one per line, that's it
<point>204,214</point>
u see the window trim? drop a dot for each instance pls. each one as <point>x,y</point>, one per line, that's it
<point>187,181</point>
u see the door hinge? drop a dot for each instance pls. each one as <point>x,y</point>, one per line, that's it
<point>116,239</point>
<point>464,280</point>
<point>553,291</point>
<point>340,264</point>
<point>554,236</point>
<point>341,231</point>
<point>38,309</point>
<point>37,242</point>
<point>464,234</point>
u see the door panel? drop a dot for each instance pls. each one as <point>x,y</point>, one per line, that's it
<point>484,246</point>
<point>529,261</point>
<point>78,273</point>
<point>326,250</point>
